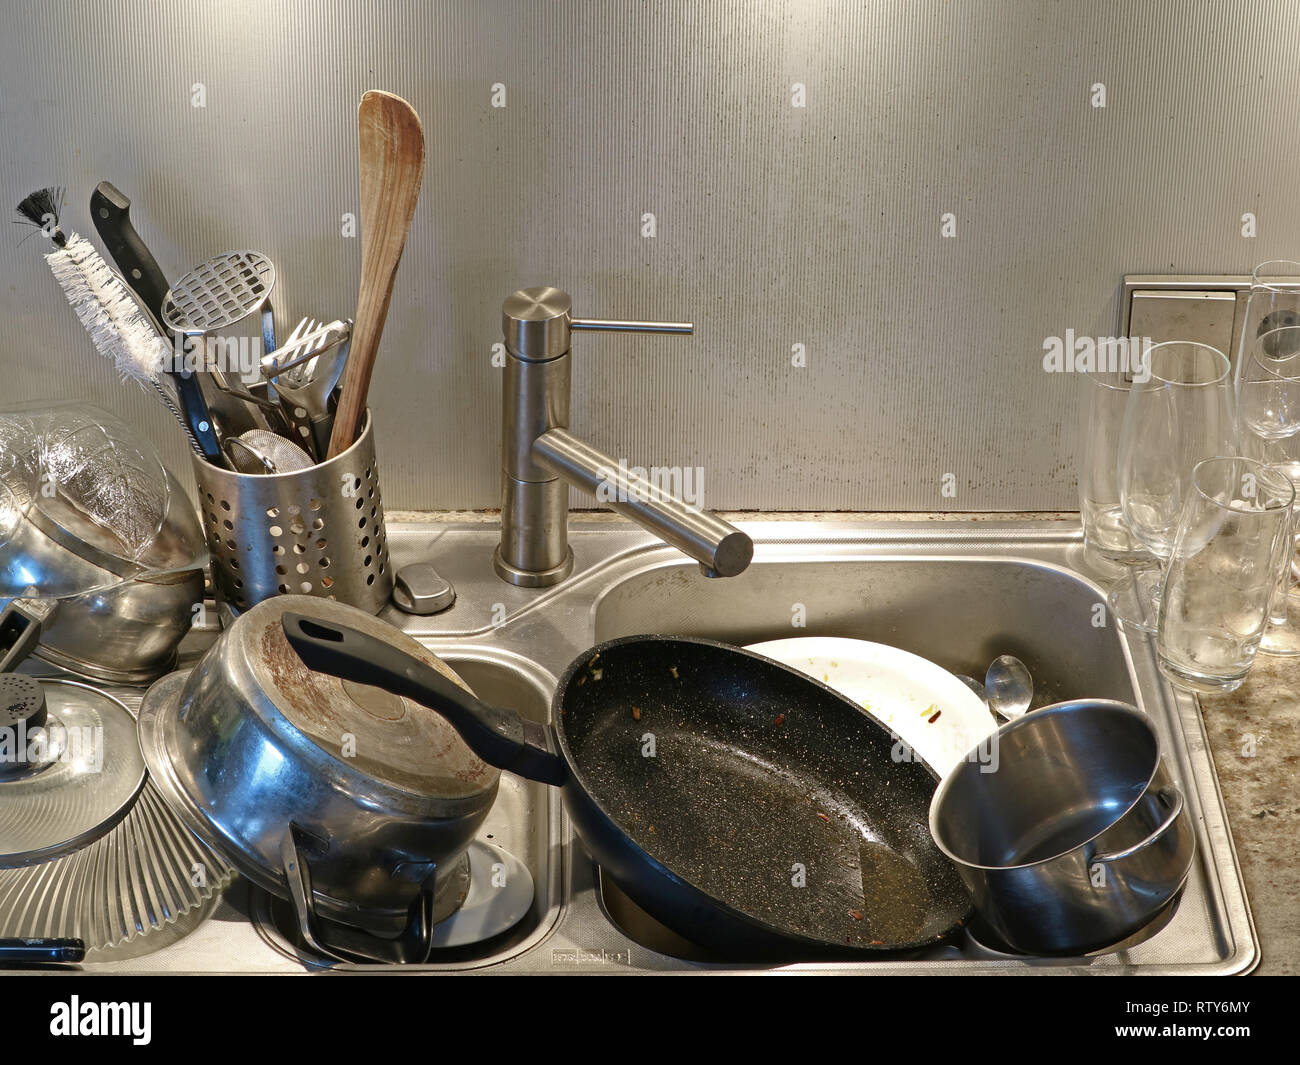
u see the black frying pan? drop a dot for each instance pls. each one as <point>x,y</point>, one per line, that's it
<point>751,809</point>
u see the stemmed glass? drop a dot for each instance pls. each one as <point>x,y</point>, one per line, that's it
<point>1268,413</point>
<point>1273,303</point>
<point>1180,414</point>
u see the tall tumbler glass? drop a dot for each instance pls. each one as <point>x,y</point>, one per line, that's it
<point>1106,534</point>
<point>1180,415</point>
<point>1233,539</point>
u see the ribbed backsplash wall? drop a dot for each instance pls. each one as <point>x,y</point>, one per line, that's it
<point>775,225</point>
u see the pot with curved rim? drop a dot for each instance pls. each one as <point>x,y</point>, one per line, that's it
<point>270,761</point>
<point>1076,836</point>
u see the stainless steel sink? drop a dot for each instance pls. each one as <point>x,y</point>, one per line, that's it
<point>959,593</point>
<point>959,613</point>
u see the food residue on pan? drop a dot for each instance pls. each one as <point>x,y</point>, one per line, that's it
<point>779,720</point>
<point>823,817</point>
<point>636,713</point>
<point>673,671</point>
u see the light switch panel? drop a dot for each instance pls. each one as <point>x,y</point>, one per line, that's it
<point>1203,308</point>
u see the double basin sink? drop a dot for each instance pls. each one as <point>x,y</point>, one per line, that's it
<point>958,593</point>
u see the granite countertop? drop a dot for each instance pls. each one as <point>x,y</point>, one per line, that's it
<point>1254,736</point>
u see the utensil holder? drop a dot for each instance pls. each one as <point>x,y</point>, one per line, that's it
<point>318,531</point>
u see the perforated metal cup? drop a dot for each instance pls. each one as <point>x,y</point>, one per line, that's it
<point>318,531</point>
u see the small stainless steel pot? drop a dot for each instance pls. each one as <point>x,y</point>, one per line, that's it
<point>1075,836</point>
<point>383,793</point>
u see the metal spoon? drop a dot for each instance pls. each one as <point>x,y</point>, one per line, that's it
<point>1010,687</point>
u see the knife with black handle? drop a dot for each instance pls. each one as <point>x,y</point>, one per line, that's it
<point>111,211</point>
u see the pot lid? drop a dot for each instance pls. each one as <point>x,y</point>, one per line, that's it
<point>70,767</point>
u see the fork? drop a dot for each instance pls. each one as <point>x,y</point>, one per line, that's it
<point>295,352</point>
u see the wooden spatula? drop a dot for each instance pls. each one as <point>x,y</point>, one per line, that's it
<point>392,167</point>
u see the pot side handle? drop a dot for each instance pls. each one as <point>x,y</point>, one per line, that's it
<point>500,737</point>
<point>1163,827</point>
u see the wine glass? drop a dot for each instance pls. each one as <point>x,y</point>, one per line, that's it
<point>1268,414</point>
<point>1272,303</point>
<point>1178,415</point>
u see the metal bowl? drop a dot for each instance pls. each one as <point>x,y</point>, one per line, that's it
<point>108,618</point>
<point>1076,836</point>
<point>252,741</point>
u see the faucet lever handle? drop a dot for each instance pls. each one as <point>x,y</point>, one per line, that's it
<point>613,325</point>
<point>537,323</point>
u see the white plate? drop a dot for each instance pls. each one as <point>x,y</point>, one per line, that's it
<point>901,690</point>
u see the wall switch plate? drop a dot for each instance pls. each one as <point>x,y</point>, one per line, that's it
<point>1205,308</point>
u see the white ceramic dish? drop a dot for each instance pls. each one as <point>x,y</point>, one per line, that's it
<point>926,707</point>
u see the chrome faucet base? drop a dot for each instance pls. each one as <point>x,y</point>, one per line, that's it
<point>526,578</point>
<point>540,458</point>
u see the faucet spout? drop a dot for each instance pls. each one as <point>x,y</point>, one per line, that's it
<point>721,549</point>
<point>540,458</point>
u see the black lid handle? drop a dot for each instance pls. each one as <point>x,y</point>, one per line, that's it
<point>500,737</point>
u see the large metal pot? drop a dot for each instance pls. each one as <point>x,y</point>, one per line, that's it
<point>382,792</point>
<point>1076,836</point>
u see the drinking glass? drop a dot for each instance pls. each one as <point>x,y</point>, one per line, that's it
<point>1232,540</point>
<point>1268,417</point>
<point>1104,395</point>
<point>1272,303</point>
<point>1181,414</point>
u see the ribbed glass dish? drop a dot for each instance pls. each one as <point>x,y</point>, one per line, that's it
<point>147,874</point>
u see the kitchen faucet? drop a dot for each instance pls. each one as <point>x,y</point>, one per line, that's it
<point>540,457</point>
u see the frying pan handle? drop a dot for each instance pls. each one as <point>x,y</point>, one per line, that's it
<point>500,737</point>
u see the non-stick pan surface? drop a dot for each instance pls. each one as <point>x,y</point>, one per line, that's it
<point>764,790</point>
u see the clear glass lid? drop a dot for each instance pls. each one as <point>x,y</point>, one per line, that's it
<point>85,505</point>
<point>70,767</point>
